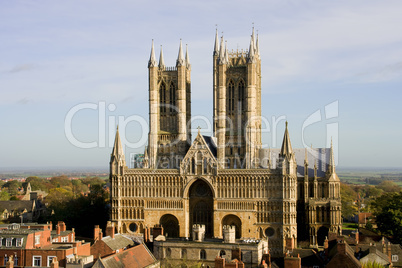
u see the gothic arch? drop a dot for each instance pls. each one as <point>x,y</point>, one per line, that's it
<point>322,232</point>
<point>191,182</point>
<point>170,225</point>
<point>201,205</point>
<point>231,219</point>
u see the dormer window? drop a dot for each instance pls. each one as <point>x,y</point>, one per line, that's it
<point>18,242</point>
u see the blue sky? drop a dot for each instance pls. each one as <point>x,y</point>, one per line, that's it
<point>55,55</point>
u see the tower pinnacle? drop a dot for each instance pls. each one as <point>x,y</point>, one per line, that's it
<point>180,57</point>
<point>187,58</point>
<point>152,59</point>
<point>222,52</point>
<point>161,60</point>
<point>331,164</point>
<point>216,47</point>
<point>251,57</point>
<point>286,150</point>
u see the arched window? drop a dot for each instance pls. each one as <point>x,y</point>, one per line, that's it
<point>162,97</point>
<point>231,89</point>
<point>322,190</point>
<point>222,253</point>
<point>168,253</point>
<point>203,254</point>
<point>242,96</point>
<point>184,254</point>
<point>172,98</point>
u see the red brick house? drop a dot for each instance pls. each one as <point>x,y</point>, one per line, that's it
<point>32,245</point>
<point>110,244</point>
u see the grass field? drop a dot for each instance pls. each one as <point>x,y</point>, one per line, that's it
<point>349,226</point>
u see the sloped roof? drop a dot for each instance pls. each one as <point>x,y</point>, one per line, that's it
<point>136,257</point>
<point>308,257</point>
<point>211,142</point>
<point>118,242</point>
<point>321,156</point>
<point>17,205</point>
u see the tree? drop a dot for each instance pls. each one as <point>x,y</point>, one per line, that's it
<point>37,183</point>
<point>348,198</point>
<point>388,212</point>
<point>389,186</point>
<point>4,196</point>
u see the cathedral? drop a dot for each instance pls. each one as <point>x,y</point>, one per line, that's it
<point>282,195</point>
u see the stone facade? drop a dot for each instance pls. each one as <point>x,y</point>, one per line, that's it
<point>280,194</point>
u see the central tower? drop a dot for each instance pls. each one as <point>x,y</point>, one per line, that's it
<point>169,110</point>
<point>237,104</point>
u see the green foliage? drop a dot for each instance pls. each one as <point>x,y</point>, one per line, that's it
<point>348,196</point>
<point>37,184</point>
<point>60,181</point>
<point>14,198</point>
<point>389,187</point>
<point>372,265</point>
<point>388,210</point>
<point>4,195</point>
<point>13,186</point>
<point>81,213</point>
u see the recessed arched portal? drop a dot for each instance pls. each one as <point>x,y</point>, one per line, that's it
<point>170,225</point>
<point>201,206</point>
<point>233,220</point>
<point>321,234</point>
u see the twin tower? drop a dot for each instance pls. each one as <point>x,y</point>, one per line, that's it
<point>236,107</point>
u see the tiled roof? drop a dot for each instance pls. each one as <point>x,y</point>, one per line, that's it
<point>136,257</point>
<point>16,205</point>
<point>118,242</point>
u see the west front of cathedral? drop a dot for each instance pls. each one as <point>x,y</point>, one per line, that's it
<point>282,195</point>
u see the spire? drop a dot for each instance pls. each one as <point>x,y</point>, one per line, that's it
<point>305,157</point>
<point>257,47</point>
<point>216,47</point>
<point>222,52</point>
<point>180,57</point>
<point>331,165</point>
<point>269,158</point>
<point>161,60</point>
<point>226,53</point>
<point>152,59</point>
<point>253,38</point>
<point>251,57</point>
<point>286,150</point>
<point>117,148</point>
<point>187,58</point>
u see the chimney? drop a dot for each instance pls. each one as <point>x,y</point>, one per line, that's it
<point>341,247</point>
<point>219,262</point>
<point>62,226</point>
<point>55,263</point>
<point>389,252</point>
<point>326,250</point>
<point>290,244</point>
<point>97,233</point>
<point>146,234</point>
<point>263,264</point>
<point>236,254</point>
<point>292,262</point>
<point>266,258</point>
<point>110,229</point>
<point>357,236</point>
<point>10,262</point>
<point>58,229</point>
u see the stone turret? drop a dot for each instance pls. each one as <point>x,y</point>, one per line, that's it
<point>198,232</point>
<point>229,234</point>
